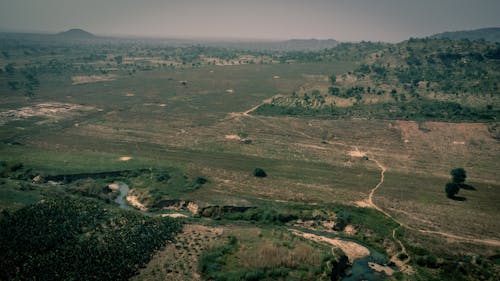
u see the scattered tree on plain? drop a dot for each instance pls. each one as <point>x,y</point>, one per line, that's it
<point>458,176</point>
<point>258,172</point>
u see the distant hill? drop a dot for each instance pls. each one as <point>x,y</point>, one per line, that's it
<point>270,45</point>
<point>418,79</point>
<point>307,44</point>
<point>76,33</point>
<point>489,34</point>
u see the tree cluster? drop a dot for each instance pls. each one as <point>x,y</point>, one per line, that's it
<point>70,239</point>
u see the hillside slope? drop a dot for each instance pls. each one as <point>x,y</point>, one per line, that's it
<point>489,34</point>
<point>429,79</point>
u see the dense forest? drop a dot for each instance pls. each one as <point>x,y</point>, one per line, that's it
<point>78,239</point>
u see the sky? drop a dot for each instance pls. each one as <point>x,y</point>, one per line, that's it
<point>343,20</point>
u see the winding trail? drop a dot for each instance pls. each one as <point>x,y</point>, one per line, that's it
<point>383,169</point>
<point>395,257</point>
<point>371,203</point>
<point>247,112</point>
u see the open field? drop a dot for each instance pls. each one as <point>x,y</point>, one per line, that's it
<point>198,122</point>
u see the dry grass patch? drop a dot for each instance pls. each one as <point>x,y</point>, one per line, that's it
<point>52,111</point>
<point>271,254</point>
<point>92,79</point>
<point>179,260</point>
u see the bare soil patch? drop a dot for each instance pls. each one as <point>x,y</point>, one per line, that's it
<point>232,137</point>
<point>92,79</point>
<point>363,204</point>
<point>134,201</point>
<point>351,249</point>
<point>50,110</point>
<point>114,186</point>
<point>380,268</point>
<point>125,158</point>
<point>356,153</point>
<point>155,104</point>
<point>174,215</point>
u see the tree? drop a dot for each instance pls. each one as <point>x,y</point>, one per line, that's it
<point>458,175</point>
<point>258,172</point>
<point>451,189</point>
<point>119,59</point>
<point>9,68</point>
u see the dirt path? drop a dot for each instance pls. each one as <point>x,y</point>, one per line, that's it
<point>395,258</point>
<point>383,169</point>
<point>247,113</point>
<point>371,204</point>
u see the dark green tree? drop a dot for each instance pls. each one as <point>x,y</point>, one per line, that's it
<point>451,189</point>
<point>258,172</point>
<point>458,175</point>
<point>9,68</point>
<point>119,59</point>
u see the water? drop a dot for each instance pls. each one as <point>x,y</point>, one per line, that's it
<point>360,270</point>
<point>120,200</point>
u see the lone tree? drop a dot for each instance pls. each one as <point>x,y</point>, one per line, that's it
<point>458,177</point>
<point>258,172</point>
<point>451,189</point>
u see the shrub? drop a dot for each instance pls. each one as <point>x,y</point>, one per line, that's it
<point>260,173</point>
<point>201,180</point>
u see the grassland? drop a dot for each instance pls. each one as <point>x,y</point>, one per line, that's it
<point>178,119</point>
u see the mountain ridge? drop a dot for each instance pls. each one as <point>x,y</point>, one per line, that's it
<point>76,33</point>
<point>489,34</point>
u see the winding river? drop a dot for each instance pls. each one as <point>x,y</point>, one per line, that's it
<point>121,199</point>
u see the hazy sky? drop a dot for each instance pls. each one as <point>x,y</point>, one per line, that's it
<point>345,20</point>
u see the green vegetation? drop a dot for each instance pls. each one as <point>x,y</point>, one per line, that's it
<point>452,189</point>
<point>78,239</point>
<point>489,34</point>
<point>258,172</point>
<point>444,267</point>
<point>77,119</point>
<point>419,79</point>
<point>273,256</point>
<point>413,110</point>
<point>458,177</point>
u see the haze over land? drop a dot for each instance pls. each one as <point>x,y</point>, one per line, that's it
<point>195,156</point>
<point>386,20</point>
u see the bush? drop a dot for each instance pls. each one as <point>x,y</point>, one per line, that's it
<point>201,180</point>
<point>260,173</point>
<point>162,176</point>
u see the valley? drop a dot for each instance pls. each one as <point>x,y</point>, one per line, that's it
<point>356,140</point>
